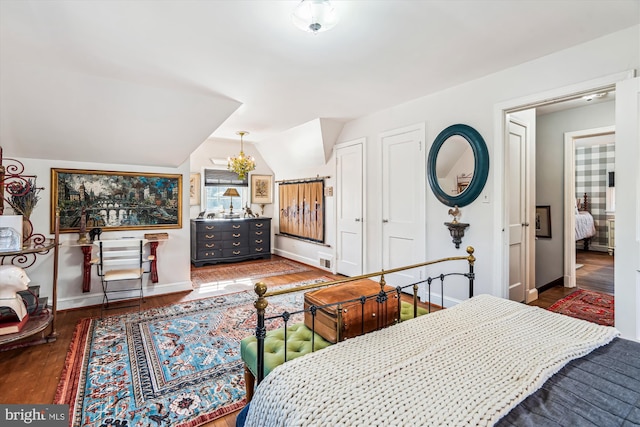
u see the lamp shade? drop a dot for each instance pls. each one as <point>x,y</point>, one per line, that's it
<point>231,192</point>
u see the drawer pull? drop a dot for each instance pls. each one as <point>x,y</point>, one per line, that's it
<point>259,225</point>
<point>209,236</point>
<point>258,233</point>
<point>237,243</point>
<point>259,249</point>
<point>210,245</point>
<point>236,226</point>
<point>258,241</point>
<point>236,235</point>
<point>210,227</point>
<point>236,252</point>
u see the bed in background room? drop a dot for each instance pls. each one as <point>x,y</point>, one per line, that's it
<point>484,361</point>
<point>585,225</point>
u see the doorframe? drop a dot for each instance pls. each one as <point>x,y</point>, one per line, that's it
<point>362,141</point>
<point>500,110</point>
<point>569,276</point>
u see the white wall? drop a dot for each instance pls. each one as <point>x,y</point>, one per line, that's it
<point>173,254</point>
<point>550,177</point>
<point>474,103</point>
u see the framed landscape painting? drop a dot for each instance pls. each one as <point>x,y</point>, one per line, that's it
<point>115,200</point>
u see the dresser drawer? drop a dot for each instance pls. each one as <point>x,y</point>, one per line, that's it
<point>209,226</point>
<point>209,253</point>
<point>221,225</point>
<point>210,244</point>
<point>209,235</point>
<point>228,253</point>
<point>259,234</point>
<point>264,249</point>
<point>260,225</point>
<point>235,235</point>
<point>234,244</point>
<point>258,241</point>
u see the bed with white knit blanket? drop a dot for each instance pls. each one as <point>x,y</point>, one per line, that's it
<point>486,360</point>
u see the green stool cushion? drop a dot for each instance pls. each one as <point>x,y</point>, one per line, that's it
<point>298,344</point>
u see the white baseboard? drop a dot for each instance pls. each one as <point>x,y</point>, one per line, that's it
<point>96,298</point>
<point>304,260</point>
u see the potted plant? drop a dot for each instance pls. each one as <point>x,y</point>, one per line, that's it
<point>23,197</point>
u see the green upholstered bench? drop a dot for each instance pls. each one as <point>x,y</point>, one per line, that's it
<point>298,344</point>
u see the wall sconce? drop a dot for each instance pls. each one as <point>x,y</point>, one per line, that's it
<point>456,229</point>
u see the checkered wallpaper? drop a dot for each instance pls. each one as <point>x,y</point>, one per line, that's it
<point>592,165</point>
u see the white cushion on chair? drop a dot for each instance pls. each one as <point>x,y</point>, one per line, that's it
<point>124,274</point>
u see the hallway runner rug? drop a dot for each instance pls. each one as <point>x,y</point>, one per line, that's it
<point>596,307</point>
<point>176,366</point>
<point>214,274</point>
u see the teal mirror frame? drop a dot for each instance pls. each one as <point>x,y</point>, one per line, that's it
<point>480,159</point>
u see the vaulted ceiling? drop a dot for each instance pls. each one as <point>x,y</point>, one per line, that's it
<point>146,82</point>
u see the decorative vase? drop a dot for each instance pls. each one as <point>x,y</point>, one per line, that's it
<point>27,232</point>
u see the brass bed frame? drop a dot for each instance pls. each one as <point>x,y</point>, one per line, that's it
<point>261,302</point>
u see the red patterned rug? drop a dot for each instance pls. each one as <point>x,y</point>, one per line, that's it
<point>593,306</point>
<point>215,274</point>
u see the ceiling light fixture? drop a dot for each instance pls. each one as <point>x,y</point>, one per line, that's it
<point>314,16</point>
<point>241,164</point>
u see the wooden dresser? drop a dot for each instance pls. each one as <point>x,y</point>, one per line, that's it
<point>228,240</point>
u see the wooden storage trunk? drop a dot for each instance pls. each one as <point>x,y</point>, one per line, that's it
<point>354,320</point>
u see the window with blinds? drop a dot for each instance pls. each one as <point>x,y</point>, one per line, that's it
<point>216,182</point>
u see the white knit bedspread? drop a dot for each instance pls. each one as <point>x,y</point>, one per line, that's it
<point>468,365</point>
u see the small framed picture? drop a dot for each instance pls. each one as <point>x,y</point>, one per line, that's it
<point>543,221</point>
<point>194,189</point>
<point>261,189</point>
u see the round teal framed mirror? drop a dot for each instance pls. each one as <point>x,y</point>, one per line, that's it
<point>458,165</point>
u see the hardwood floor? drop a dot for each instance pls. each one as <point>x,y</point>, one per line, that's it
<point>597,272</point>
<point>595,275</point>
<point>31,374</point>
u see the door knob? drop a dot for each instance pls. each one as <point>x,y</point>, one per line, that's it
<point>385,220</point>
<point>525,224</point>
<point>357,219</point>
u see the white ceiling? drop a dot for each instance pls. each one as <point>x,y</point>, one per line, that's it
<point>146,82</point>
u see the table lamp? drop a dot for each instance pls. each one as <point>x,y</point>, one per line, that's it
<point>231,192</point>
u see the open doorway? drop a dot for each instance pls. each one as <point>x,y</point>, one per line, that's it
<point>590,206</point>
<point>548,257</point>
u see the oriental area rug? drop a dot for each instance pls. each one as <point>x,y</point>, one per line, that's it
<point>216,274</point>
<point>593,306</point>
<point>176,366</point>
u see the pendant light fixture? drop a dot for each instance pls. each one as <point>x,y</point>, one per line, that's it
<point>314,16</point>
<point>241,164</point>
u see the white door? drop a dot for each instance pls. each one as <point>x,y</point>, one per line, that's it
<point>627,230</point>
<point>403,202</point>
<point>349,205</point>
<point>518,194</point>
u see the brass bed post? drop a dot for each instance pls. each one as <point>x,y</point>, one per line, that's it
<point>261,304</point>
<point>471,260</point>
